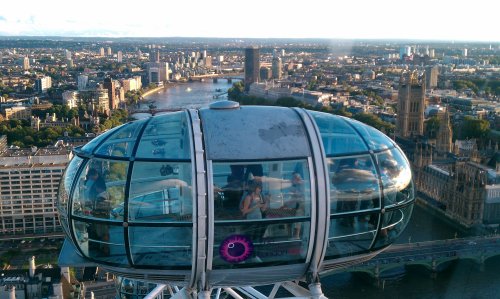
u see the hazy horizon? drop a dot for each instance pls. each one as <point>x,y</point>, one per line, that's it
<point>366,20</point>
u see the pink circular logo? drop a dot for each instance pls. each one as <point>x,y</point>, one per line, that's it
<point>236,248</point>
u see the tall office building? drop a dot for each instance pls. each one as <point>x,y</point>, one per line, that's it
<point>29,184</point>
<point>154,56</point>
<point>26,63</point>
<point>464,52</point>
<point>431,76</point>
<point>265,73</point>
<point>404,51</point>
<point>252,66</point>
<point>42,84</point>
<point>119,56</point>
<point>109,52</point>
<point>67,53</point>
<point>277,68</point>
<point>101,51</point>
<point>411,105</point>
<point>157,72</point>
<point>83,80</point>
<point>109,85</point>
<point>208,61</point>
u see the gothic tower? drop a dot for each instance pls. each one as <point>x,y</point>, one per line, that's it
<point>444,135</point>
<point>411,105</point>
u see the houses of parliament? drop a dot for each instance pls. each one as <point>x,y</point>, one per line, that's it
<point>457,177</point>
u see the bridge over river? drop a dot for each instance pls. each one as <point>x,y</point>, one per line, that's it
<point>434,256</point>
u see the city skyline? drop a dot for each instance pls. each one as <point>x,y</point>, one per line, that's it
<point>385,19</point>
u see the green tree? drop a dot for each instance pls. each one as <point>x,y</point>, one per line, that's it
<point>374,121</point>
<point>475,128</point>
<point>234,93</point>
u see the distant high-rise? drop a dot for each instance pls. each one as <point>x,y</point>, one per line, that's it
<point>83,80</point>
<point>101,51</point>
<point>411,105</point>
<point>119,56</point>
<point>68,54</point>
<point>26,63</point>
<point>404,51</point>
<point>432,53</point>
<point>251,66</point>
<point>431,76</point>
<point>109,53</point>
<point>157,72</point>
<point>42,84</point>
<point>464,52</point>
<point>265,73</point>
<point>208,61</point>
<point>277,68</point>
<point>154,56</point>
<point>109,85</point>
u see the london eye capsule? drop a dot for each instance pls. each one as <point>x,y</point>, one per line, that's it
<point>233,196</point>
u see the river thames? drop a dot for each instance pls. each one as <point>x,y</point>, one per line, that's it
<point>462,280</point>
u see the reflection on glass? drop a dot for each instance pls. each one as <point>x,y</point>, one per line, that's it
<point>161,246</point>
<point>284,190</point>
<point>248,245</point>
<point>159,192</point>
<point>100,188</point>
<point>134,289</point>
<point>67,182</point>
<point>345,239</point>
<point>354,185</point>
<point>396,177</point>
<point>393,224</point>
<point>376,140</point>
<point>258,193</point>
<point>121,142</point>
<point>166,137</point>
<point>337,135</point>
<point>89,147</point>
<point>101,241</point>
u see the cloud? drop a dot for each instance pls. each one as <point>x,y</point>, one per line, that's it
<point>2,18</point>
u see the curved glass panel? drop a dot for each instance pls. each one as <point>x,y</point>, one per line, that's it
<point>395,173</point>
<point>166,137</point>
<point>89,147</point>
<point>65,189</point>
<point>347,240</point>
<point>376,140</point>
<point>133,289</point>
<point>166,247</point>
<point>122,141</point>
<point>160,192</point>
<point>100,189</point>
<point>249,199</point>
<point>393,224</point>
<point>337,136</point>
<point>354,184</point>
<point>101,241</point>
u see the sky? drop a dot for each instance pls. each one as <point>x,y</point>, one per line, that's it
<point>354,19</point>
